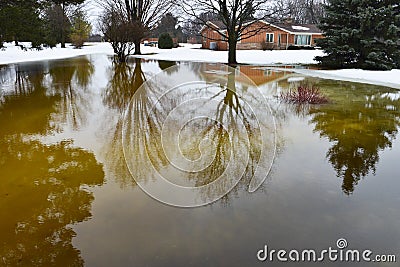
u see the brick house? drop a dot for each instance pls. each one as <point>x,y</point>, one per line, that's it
<point>270,36</point>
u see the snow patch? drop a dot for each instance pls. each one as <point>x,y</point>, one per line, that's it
<point>295,79</point>
<point>383,78</point>
<point>300,28</point>
<point>14,54</point>
<point>218,72</point>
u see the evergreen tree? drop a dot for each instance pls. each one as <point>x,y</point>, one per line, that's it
<point>169,24</point>
<point>362,34</point>
<point>165,41</point>
<point>380,34</point>
<point>81,28</point>
<point>65,23</point>
<point>53,24</point>
<point>20,21</point>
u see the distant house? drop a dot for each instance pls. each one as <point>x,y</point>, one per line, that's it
<point>270,36</point>
<point>193,40</point>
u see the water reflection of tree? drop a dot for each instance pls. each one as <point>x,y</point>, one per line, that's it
<point>167,66</point>
<point>143,124</point>
<point>40,195</point>
<point>42,186</point>
<point>362,122</point>
<point>5,76</point>
<point>29,107</point>
<point>231,111</point>
<point>70,79</point>
<point>125,80</point>
<point>29,78</point>
<point>61,97</point>
<point>153,119</point>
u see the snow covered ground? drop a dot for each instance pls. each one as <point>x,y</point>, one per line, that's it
<point>257,57</point>
<point>383,78</point>
<point>12,54</point>
<point>188,52</point>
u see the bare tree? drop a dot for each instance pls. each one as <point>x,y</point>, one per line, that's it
<point>142,15</point>
<point>234,14</point>
<point>193,25</point>
<point>118,31</point>
<point>300,11</point>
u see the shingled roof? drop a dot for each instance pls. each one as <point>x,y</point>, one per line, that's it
<point>288,27</point>
<point>220,25</point>
<point>298,28</point>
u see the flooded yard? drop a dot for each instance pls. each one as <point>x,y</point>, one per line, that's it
<point>75,143</point>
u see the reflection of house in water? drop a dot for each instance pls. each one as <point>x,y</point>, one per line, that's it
<point>258,75</point>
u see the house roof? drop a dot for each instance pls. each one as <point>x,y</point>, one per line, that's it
<point>220,25</point>
<point>287,27</point>
<point>215,25</point>
<point>298,28</point>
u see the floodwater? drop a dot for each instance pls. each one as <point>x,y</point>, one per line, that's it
<point>74,149</point>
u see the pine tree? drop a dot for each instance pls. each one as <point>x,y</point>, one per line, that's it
<point>54,21</point>
<point>165,41</point>
<point>20,21</point>
<point>80,30</point>
<point>380,32</point>
<point>65,24</point>
<point>361,34</point>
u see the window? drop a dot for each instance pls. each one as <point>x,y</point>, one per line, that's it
<point>267,73</point>
<point>302,39</point>
<point>270,38</point>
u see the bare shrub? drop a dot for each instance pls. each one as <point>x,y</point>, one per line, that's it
<point>305,94</point>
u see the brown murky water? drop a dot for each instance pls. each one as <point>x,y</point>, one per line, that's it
<point>68,199</point>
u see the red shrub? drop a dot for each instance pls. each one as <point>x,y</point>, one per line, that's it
<point>305,95</point>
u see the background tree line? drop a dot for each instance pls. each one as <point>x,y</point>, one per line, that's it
<point>359,33</point>
<point>43,22</point>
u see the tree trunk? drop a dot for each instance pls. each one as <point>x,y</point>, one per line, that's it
<point>232,52</point>
<point>121,57</point>
<point>63,27</point>
<point>137,47</point>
